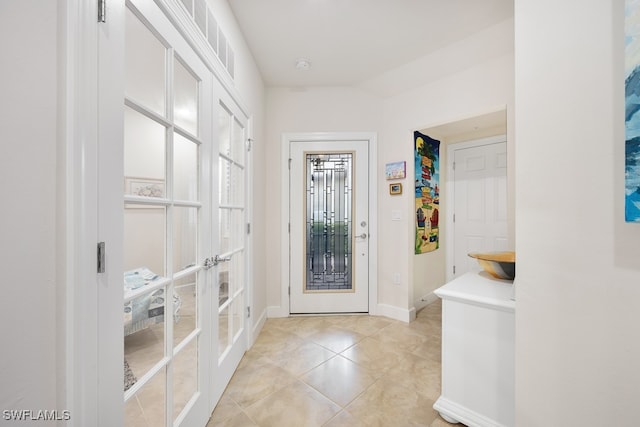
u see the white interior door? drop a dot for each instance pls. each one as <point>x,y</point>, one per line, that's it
<point>329,226</point>
<point>480,201</point>
<point>230,302</point>
<point>167,216</point>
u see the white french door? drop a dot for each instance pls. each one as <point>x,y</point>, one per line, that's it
<point>167,224</point>
<point>230,302</point>
<point>479,200</point>
<point>329,226</point>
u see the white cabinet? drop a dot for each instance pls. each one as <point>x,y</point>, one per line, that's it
<point>478,351</point>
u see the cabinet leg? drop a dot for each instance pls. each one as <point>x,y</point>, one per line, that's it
<point>448,419</point>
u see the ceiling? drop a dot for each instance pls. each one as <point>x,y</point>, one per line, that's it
<point>348,42</point>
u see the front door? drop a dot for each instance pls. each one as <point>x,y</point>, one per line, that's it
<point>329,226</point>
<point>480,201</point>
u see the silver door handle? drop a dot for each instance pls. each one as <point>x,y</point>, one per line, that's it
<point>362,236</point>
<point>218,259</point>
<point>212,262</point>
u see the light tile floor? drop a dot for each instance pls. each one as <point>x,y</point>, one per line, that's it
<point>338,371</point>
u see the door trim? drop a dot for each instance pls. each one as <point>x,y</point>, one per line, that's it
<point>287,138</point>
<point>450,192</point>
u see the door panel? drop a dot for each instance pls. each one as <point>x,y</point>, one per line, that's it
<point>229,243</point>
<point>329,227</point>
<point>167,145</point>
<point>480,203</point>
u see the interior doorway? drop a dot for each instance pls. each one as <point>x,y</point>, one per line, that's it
<point>478,190</point>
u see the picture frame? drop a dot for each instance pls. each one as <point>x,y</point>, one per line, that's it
<point>395,188</point>
<point>144,187</point>
<point>396,170</point>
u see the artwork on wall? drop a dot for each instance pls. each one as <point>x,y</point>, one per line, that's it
<point>427,192</point>
<point>396,170</point>
<point>632,109</point>
<point>395,189</point>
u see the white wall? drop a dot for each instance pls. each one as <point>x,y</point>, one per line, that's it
<point>483,88</point>
<point>335,109</point>
<point>486,86</point>
<point>578,281</point>
<point>28,215</point>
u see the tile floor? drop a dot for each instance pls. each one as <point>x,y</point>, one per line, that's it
<point>338,371</point>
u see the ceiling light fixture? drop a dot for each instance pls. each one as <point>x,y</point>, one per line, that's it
<point>303,64</point>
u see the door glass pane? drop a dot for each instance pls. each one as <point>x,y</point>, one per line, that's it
<point>224,131</point>
<point>238,142</point>
<point>144,155</point>
<point>144,237</point>
<point>223,330</point>
<point>328,217</point>
<point>144,66</point>
<point>185,168</point>
<point>224,181</point>
<point>144,331</point>
<point>238,315</point>
<point>151,398</point>
<point>185,381</point>
<point>224,231</point>
<point>185,106</point>
<point>185,238</point>
<point>237,224</point>
<point>237,185</point>
<point>223,284</point>
<point>185,291</point>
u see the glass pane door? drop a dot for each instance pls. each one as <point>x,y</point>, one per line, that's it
<point>231,233</point>
<point>166,143</point>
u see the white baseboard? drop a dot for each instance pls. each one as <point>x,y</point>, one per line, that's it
<point>277,311</point>
<point>397,313</point>
<point>257,327</point>
<point>425,300</point>
<point>453,412</point>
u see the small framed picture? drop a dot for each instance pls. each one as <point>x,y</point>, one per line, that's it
<point>395,188</point>
<point>396,170</point>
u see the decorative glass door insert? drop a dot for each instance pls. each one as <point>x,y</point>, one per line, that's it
<point>329,216</point>
<point>329,226</point>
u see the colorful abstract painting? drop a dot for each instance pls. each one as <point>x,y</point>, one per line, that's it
<point>632,107</point>
<point>427,193</point>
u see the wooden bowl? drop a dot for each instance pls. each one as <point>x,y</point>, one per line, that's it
<point>501,265</point>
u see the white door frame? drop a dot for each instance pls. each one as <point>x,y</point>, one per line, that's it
<point>449,231</point>
<point>287,139</point>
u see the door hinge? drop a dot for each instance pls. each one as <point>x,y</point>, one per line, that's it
<point>248,228</point>
<point>289,290</point>
<point>248,312</point>
<point>289,228</point>
<point>454,217</point>
<point>102,10</point>
<point>101,257</point>
<point>454,269</point>
<point>454,165</point>
<point>290,164</point>
<point>249,142</point>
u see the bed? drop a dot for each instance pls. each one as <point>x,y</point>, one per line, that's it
<point>144,307</point>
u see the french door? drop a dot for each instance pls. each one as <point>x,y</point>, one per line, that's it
<point>329,220</point>
<point>230,299</point>
<point>167,224</point>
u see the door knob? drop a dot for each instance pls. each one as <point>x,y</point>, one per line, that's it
<point>362,236</point>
